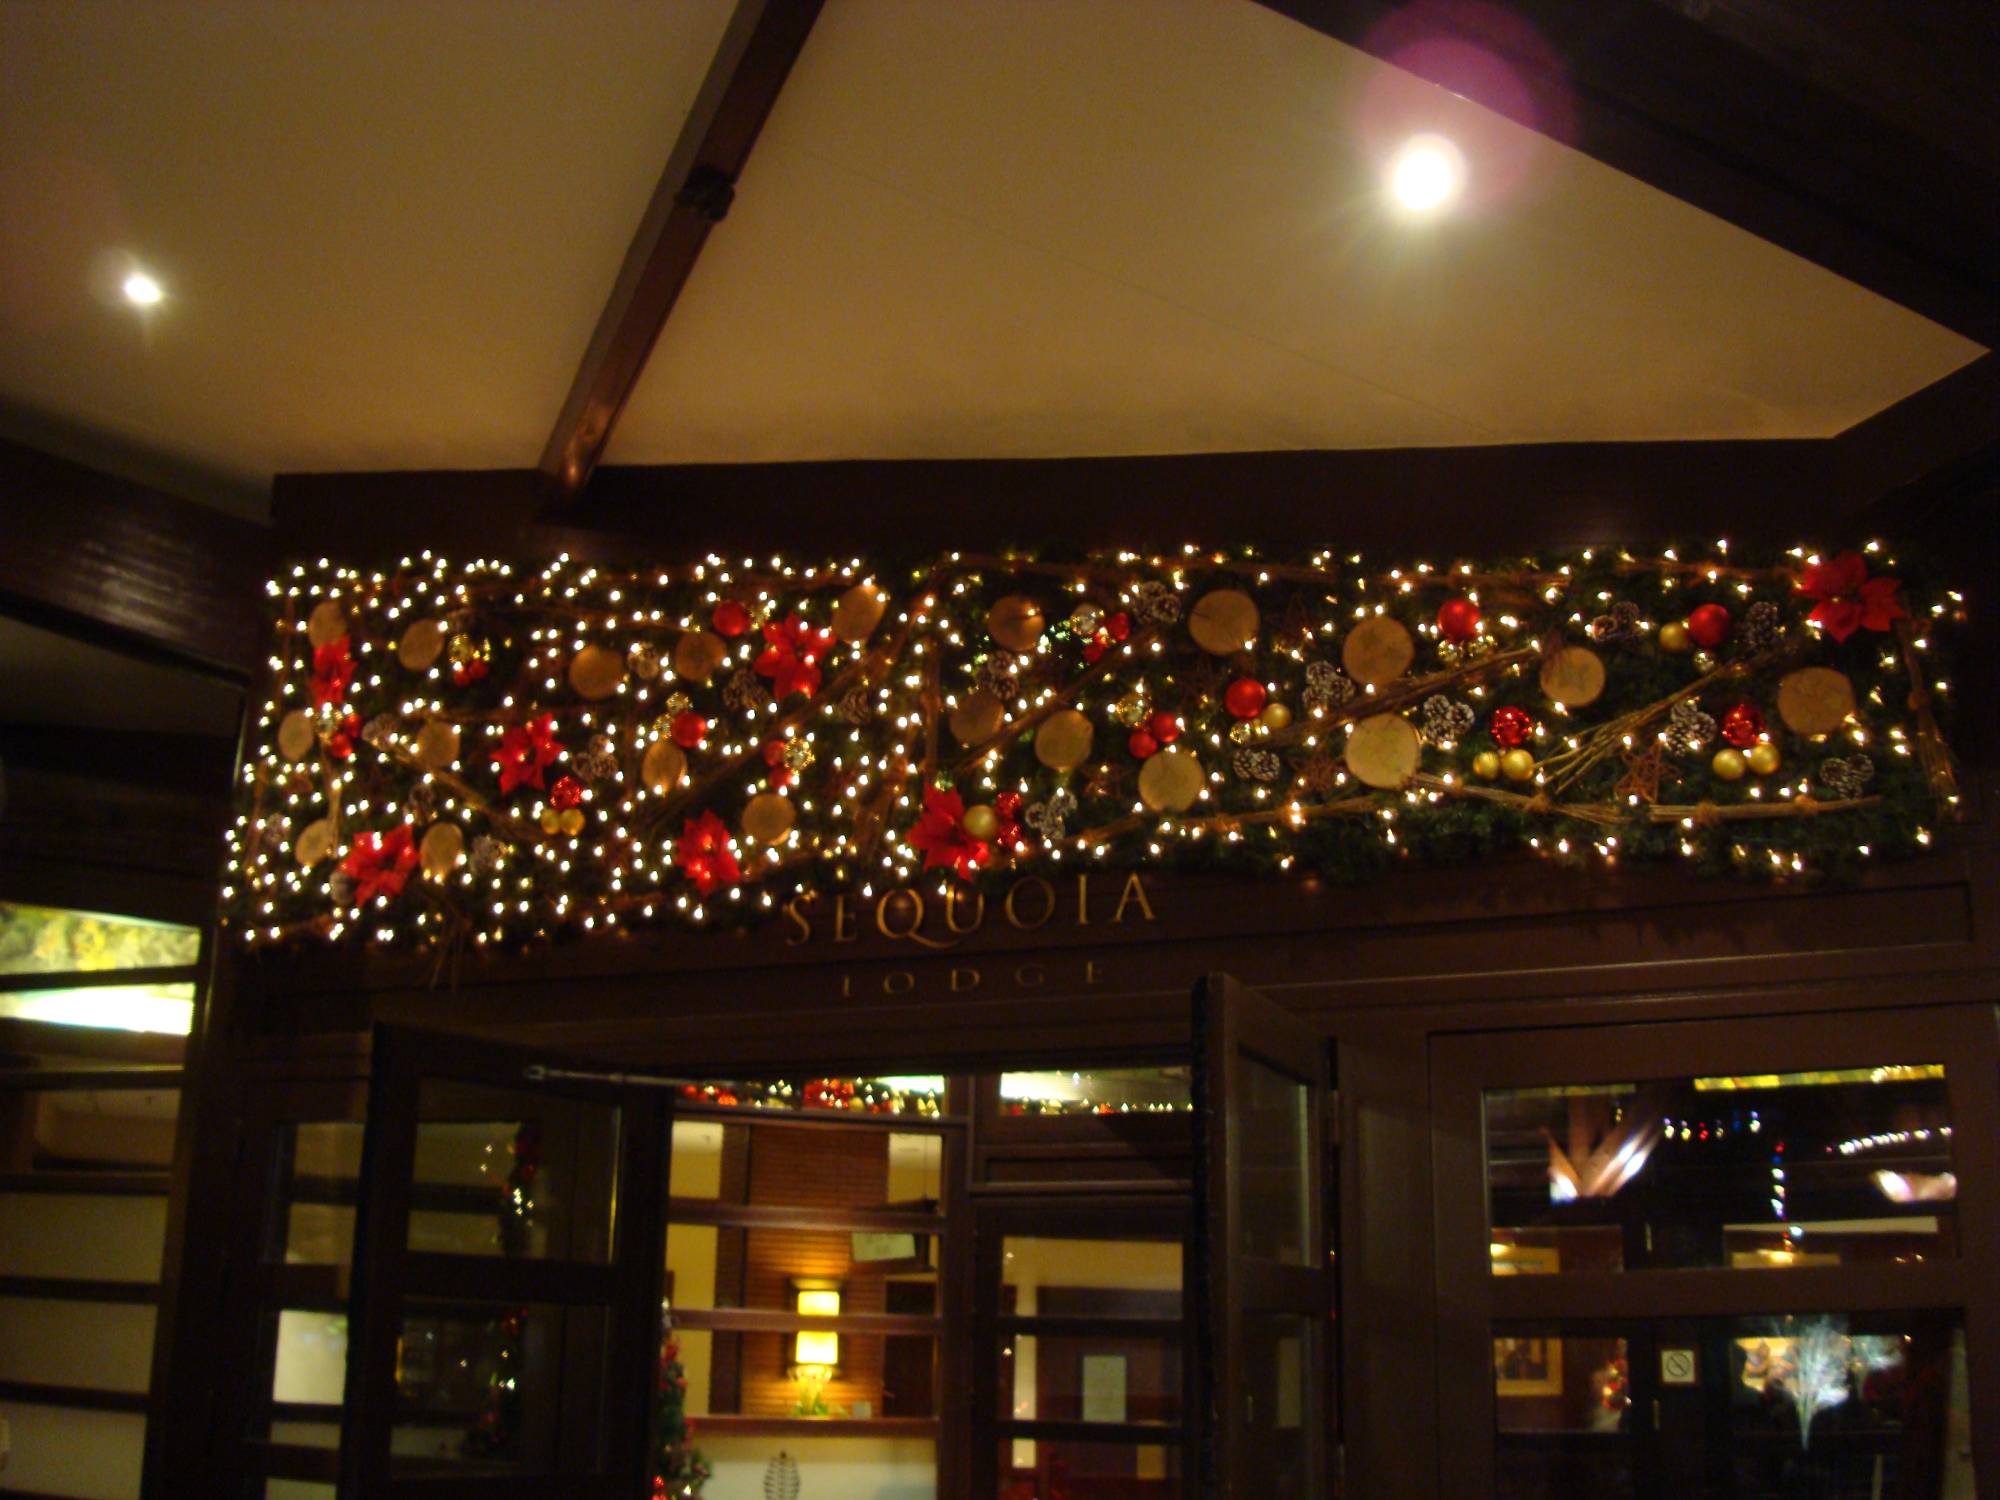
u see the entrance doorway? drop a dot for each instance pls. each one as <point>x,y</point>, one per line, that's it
<point>1044,1282</point>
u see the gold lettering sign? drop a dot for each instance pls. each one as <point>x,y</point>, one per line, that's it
<point>903,916</point>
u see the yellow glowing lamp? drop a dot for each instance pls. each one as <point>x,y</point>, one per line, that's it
<point>816,1348</point>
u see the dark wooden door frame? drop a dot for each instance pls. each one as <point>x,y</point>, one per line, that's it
<point>627,1285</point>
<point>1470,1299</point>
<point>1235,1026</point>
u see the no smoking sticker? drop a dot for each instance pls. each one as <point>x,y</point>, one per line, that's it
<point>1677,1367</point>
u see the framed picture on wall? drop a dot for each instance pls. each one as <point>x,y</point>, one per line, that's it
<point>1527,1367</point>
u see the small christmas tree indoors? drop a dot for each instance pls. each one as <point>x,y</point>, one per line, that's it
<point>679,1470</point>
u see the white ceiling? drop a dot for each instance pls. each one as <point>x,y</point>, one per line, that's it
<point>980,228</point>
<point>1090,227</point>
<point>386,227</point>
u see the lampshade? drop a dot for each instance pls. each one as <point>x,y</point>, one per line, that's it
<point>812,1347</point>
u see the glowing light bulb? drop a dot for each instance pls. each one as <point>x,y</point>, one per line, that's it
<point>1427,173</point>
<point>142,290</point>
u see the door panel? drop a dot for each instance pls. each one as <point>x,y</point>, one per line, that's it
<point>507,1279</point>
<point>1262,1281</point>
<point>1638,1227</point>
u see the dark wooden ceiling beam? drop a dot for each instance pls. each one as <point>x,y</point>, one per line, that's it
<point>130,567</point>
<point>763,40</point>
<point>1694,111</point>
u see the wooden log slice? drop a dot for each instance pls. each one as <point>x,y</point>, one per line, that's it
<point>1224,621</point>
<point>443,847</point>
<point>1384,751</point>
<point>1378,651</point>
<point>327,623</point>
<point>297,735</point>
<point>857,612</point>
<point>595,672</point>
<point>315,842</point>
<point>977,718</point>
<point>697,654</point>
<point>1016,622</point>
<point>1063,741</point>
<point>1171,781</point>
<point>768,817</point>
<point>436,748</point>
<point>1573,677</point>
<point>422,644</point>
<point>1815,700</point>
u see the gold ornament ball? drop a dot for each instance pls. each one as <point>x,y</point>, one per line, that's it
<point>1674,637</point>
<point>1729,765</point>
<point>572,821</point>
<point>1486,765</point>
<point>1763,757</point>
<point>1275,716</point>
<point>980,821</point>
<point>1518,765</point>
<point>551,820</point>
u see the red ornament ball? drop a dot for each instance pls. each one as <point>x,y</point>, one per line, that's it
<point>1008,805</point>
<point>1511,726</point>
<point>465,673</point>
<point>731,618</point>
<point>1708,625</point>
<point>1098,644</point>
<point>782,776</point>
<point>566,793</point>
<point>1458,619</point>
<point>774,752</point>
<point>1119,626</point>
<point>689,730</point>
<point>1244,698</point>
<point>1165,727</point>
<point>1743,726</point>
<point>1142,745</point>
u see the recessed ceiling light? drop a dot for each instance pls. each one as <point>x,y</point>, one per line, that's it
<point>1427,173</point>
<point>142,290</point>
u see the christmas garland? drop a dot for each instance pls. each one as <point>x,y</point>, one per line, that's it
<point>473,753</point>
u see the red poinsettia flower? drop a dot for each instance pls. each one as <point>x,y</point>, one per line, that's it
<point>333,669</point>
<point>380,863</point>
<point>791,656</point>
<point>525,752</point>
<point>940,834</point>
<point>1849,600</point>
<point>707,853</point>
<point>340,741</point>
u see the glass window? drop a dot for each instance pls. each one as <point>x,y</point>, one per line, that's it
<point>1100,1377</point>
<point>500,1172</point>
<point>98,1130</point>
<point>1098,1091</point>
<point>920,1095</point>
<point>1810,1407</point>
<point>1091,1277</point>
<point>498,1386</point>
<point>49,940</point>
<point>1274,1165</point>
<point>715,1266</point>
<point>320,1166</point>
<point>771,1163</point>
<point>165,1009</point>
<point>1770,1171</point>
<point>1088,1471</point>
<point>760,1375</point>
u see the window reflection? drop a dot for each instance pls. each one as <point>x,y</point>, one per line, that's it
<point>1759,1172</point>
<point>1808,1407</point>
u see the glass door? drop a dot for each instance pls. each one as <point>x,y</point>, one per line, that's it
<point>504,1344</point>
<point>1263,1277</point>
<point>1752,1259</point>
